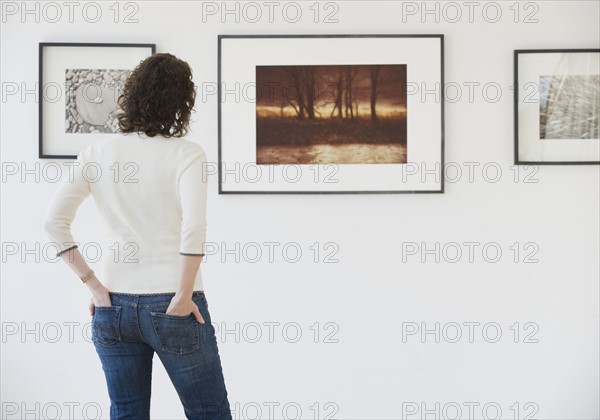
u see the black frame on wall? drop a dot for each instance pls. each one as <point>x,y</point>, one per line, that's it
<point>516,54</point>
<point>42,45</point>
<point>442,100</point>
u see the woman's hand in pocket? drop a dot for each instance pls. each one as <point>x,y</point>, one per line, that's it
<point>99,298</point>
<point>182,306</point>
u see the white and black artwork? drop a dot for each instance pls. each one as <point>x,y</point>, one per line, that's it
<point>569,107</point>
<point>79,85</point>
<point>91,99</point>
<point>557,106</point>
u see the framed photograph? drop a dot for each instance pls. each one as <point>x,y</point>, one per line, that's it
<point>557,106</point>
<point>331,114</point>
<point>79,84</point>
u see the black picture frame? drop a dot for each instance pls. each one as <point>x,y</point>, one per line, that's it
<point>438,190</point>
<point>49,133</point>
<point>524,136</point>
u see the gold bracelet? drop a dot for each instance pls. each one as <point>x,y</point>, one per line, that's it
<point>87,276</point>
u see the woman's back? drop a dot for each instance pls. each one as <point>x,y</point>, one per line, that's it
<point>151,195</point>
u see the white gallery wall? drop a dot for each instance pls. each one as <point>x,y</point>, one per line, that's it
<point>357,327</point>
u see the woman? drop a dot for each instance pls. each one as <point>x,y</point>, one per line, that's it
<point>150,188</point>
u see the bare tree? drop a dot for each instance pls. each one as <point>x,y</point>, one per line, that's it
<point>303,79</point>
<point>308,85</point>
<point>350,73</point>
<point>337,104</point>
<point>294,80</point>
<point>380,78</point>
<point>375,89</point>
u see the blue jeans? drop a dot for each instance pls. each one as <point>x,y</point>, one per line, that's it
<point>127,334</point>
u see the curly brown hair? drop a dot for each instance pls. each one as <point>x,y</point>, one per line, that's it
<point>158,97</point>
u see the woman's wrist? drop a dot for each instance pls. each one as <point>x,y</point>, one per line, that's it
<point>94,285</point>
<point>183,295</point>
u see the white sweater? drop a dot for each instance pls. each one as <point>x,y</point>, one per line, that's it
<point>151,195</point>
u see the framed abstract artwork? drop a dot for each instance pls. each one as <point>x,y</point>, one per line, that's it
<point>310,114</point>
<point>79,84</point>
<point>557,106</point>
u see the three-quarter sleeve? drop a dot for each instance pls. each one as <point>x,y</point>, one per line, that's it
<point>72,190</point>
<point>193,185</point>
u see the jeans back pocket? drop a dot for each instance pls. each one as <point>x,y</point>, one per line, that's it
<point>176,334</point>
<point>105,325</point>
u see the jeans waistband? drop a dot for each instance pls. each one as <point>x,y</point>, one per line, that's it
<point>147,299</point>
<point>195,293</point>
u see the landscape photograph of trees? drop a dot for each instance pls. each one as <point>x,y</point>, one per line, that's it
<point>339,114</point>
